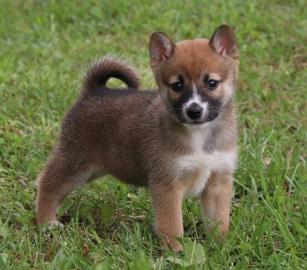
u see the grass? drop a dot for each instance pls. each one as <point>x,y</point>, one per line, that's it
<point>46,47</point>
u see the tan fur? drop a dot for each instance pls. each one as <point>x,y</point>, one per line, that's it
<point>137,137</point>
<point>216,199</point>
<point>168,214</point>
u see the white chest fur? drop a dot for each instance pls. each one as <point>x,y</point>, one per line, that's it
<point>197,166</point>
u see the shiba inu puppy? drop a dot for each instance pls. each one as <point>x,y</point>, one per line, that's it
<point>178,141</point>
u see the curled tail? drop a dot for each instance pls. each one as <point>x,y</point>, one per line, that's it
<point>102,70</point>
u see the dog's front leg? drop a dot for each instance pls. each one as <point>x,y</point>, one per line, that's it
<point>216,200</point>
<point>167,204</point>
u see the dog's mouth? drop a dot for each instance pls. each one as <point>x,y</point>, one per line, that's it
<point>199,122</point>
<point>209,118</point>
<point>193,122</point>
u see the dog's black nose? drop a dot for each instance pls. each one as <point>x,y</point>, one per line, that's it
<point>194,111</point>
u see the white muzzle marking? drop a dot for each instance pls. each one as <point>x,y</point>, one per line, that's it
<point>195,99</point>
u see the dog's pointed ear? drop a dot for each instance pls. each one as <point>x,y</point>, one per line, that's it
<point>161,48</point>
<point>223,41</point>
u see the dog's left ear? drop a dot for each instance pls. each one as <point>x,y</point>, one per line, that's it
<point>223,41</point>
<point>161,48</point>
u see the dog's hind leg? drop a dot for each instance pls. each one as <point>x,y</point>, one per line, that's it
<point>60,176</point>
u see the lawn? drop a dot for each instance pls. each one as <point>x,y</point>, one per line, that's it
<point>46,47</point>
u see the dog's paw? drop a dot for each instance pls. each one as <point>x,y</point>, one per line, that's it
<point>175,246</point>
<point>172,243</point>
<point>55,224</point>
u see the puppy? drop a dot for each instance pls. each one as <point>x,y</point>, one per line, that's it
<point>178,141</point>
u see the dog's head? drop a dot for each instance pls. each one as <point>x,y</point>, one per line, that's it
<point>196,78</point>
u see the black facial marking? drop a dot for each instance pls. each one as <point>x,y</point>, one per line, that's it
<point>177,106</point>
<point>213,110</point>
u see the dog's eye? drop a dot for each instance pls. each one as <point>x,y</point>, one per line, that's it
<point>212,84</point>
<point>177,86</point>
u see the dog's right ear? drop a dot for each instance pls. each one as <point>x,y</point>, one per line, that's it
<point>161,48</point>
